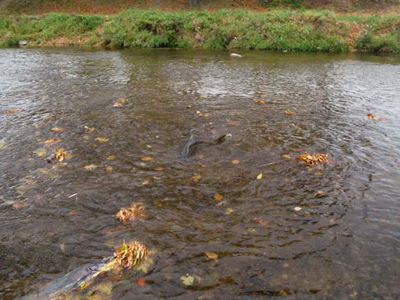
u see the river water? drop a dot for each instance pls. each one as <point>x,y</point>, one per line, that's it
<point>331,232</point>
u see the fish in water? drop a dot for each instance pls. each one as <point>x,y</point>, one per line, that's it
<point>70,281</point>
<point>191,145</point>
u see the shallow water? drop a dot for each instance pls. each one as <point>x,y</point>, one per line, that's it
<point>55,217</point>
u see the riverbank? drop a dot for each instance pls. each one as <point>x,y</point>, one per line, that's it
<point>291,30</point>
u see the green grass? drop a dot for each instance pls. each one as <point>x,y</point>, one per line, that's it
<point>224,29</point>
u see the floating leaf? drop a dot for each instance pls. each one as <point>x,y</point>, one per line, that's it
<point>111,157</point>
<point>260,102</point>
<point>19,205</point>
<point>3,146</point>
<point>259,176</point>
<point>127,214</point>
<point>297,208</point>
<point>51,141</point>
<point>159,169</point>
<point>196,178</point>
<point>91,167</point>
<point>212,255</point>
<point>73,212</point>
<point>102,139</point>
<point>13,111</point>
<point>236,161</point>
<point>321,194</point>
<point>311,160</point>
<point>187,280</point>
<point>130,255</point>
<point>200,114</point>
<point>88,129</point>
<point>218,197</point>
<point>371,116</point>
<point>289,112</point>
<point>109,169</point>
<point>141,281</point>
<point>121,102</point>
<point>57,129</point>
<point>60,154</point>
<point>40,152</point>
<point>147,158</point>
<point>287,156</point>
<point>229,211</point>
<point>146,182</point>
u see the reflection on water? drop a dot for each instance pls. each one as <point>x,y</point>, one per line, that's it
<point>55,217</point>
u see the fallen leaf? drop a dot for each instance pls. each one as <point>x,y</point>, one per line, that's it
<point>88,129</point>
<point>200,114</point>
<point>312,160</point>
<point>130,255</point>
<point>131,213</point>
<point>284,292</point>
<point>259,176</point>
<point>91,167</point>
<point>86,137</point>
<point>159,169</point>
<point>73,212</point>
<point>287,156</point>
<point>260,221</point>
<point>111,157</point>
<point>218,197</point>
<point>60,155</point>
<point>228,211</point>
<point>371,116</point>
<point>321,194</point>
<point>146,182</point>
<point>40,152</point>
<point>121,102</point>
<point>3,146</point>
<point>51,141</point>
<point>236,161</point>
<point>109,169</point>
<point>289,112</point>
<point>212,255</point>
<point>260,102</point>
<point>102,140</point>
<point>57,129</point>
<point>141,281</point>
<point>196,178</point>
<point>19,205</point>
<point>13,111</point>
<point>297,208</point>
<point>147,158</point>
<point>187,280</point>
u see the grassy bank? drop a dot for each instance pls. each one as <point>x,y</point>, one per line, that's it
<point>224,29</point>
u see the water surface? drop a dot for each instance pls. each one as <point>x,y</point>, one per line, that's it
<point>344,242</point>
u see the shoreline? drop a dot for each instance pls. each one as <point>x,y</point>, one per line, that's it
<point>281,30</point>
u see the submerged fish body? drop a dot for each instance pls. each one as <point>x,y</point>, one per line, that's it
<point>70,281</point>
<point>191,145</point>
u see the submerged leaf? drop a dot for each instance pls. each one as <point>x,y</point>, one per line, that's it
<point>147,158</point>
<point>289,112</point>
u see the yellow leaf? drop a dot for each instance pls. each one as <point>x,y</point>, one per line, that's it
<point>229,211</point>
<point>212,255</point>
<point>236,161</point>
<point>297,208</point>
<point>289,112</point>
<point>40,152</point>
<point>90,167</point>
<point>102,140</point>
<point>287,156</point>
<point>259,176</point>
<point>196,178</point>
<point>111,157</point>
<point>51,141</point>
<point>187,280</point>
<point>218,197</point>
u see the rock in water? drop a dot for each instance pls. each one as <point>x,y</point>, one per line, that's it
<point>23,43</point>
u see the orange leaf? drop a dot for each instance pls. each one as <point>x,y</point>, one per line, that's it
<point>57,129</point>
<point>196,178</point>
<point>218,197</point>
<point>212,255</point>
<point>236,161</point>
<point>147,158</point>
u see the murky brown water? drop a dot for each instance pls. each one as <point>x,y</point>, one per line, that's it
<point>55,217</point>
